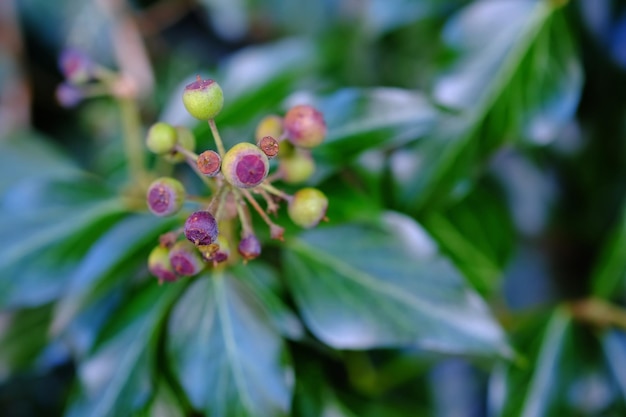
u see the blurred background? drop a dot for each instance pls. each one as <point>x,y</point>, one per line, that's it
<point>497,126</point>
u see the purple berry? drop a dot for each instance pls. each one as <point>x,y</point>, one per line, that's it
<point>185,259</point>
<point>69,95</point>
<point>76,67</point>
<point>165,196</point>
<point>201,228</point>
<point>305,126</point>
<point>245,165</point>
<point>159,264</point>
<point>249,247</point>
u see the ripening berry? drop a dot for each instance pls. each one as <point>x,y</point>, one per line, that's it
<point>245,165</point>
<point>69,95</point>
<point>201,228</point>
<point>249,247</point>
<point>271,125</point>
<point>159,264</point>
<point>269,146</point>
<point>203,99</point>
<point>185,259</point>
<point>209,163</point>
<point>305,126</point>
<point>297,168</point>
<point>76,67</point>
<point>165,196</point>
<point>184,139</point>
<point>161,138</point>
<point>307,207</point>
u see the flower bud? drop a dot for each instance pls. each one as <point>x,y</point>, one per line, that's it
<point>297,168</point>
<point>161,138</point>
<point>245,165</point>
<point>159,264</point>
<point>203,99</point>
<point>201,228</point>
<point>271,125</point>
<point>249,247</point>
<point>165,196</point>
<point>184,139</point>
<point>209,163</point>
<point>185,259</point>
<point>305,126</point>
<point>307,207</point>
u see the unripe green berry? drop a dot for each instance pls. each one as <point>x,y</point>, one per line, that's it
<point>165,196</point>
<point>184,139</point>
<point>161,138</point>
<point>307,207</point>
<point>203,99</point>
<point>159,264</point>
<point>185,259</point>
<point>305,126</point>
<point>297,168</point>
<point>271,125</point>
<point>245,165</point>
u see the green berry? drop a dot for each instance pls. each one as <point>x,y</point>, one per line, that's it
<point>185,259</point>
<point>307,207</point>
<point>184,139</point>
<point>245,165</point>
<point>161,138</point>
<point>305,126</point>
<point>203,99</point>
<point>159,264</point>
<point>297,168</point>
<point>271,125</point>
<point>165,196</point>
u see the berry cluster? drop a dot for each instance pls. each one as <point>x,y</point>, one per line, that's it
<point>234,176</point>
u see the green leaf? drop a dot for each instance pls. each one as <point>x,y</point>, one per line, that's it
<point>115,379</point>
<point>226,353</point>
<point>121,247</point>
<point>360,286</point>
<point>517,77</point>
<point>614,346</point>
<point>609,275</point>
<point>164,404</point>
<point>361,119</point>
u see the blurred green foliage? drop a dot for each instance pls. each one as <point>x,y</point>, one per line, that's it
<point>475,260</point>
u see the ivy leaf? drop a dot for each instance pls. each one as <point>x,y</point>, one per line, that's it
<point>360,286</point>
<point>115,379</point>
<point>228,357</point>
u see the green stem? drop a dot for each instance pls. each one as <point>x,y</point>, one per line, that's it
<point>133,141</point>
<point>218,139</point>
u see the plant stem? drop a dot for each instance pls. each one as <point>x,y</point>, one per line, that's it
<point>273,190</point>
<point>218,139</point>
<point>133,142</point>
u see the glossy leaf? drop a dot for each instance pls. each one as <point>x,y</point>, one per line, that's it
<point>226,353</point>
<point>609,276</point>
<point>115,379</point>
<point>361,286</point>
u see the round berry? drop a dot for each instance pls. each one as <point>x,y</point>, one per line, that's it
<point>159,264</point>
<point>69,95</point>
<point>165,196</point>
<point>209,163</point>
<point>305,126</point>
<point>297,168</point>
<point>245,165</point>
<point>307,207</point>
<point>185,259</point>
<point>271,125</point>
<point>269,146</point>
<point>76,66</point>
<point>219,253</point>
<point>249,247</point>
<point>201,228</point>
<point>184,139</point>
<point>203,99</point>
<point>161,138</point>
